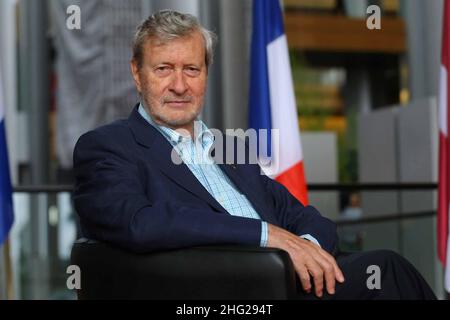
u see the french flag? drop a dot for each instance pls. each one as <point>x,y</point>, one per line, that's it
<point>443,221</point>
<point>6,208</point>
<point>272,102</point>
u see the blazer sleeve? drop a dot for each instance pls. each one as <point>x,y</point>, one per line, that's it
<point>299,219</point>
<point>111,200</point>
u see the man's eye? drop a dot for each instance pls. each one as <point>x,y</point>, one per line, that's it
<point>162,69</point>
<point>192,71</point>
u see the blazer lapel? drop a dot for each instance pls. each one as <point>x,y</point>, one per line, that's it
<point>160,151</point>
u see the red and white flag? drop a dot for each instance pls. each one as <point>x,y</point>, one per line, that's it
<point>444,151</point>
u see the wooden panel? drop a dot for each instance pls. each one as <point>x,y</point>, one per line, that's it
<point>311,4</point>
<point>339,33</point>
<point>391,6</point>
<point>328,123</point>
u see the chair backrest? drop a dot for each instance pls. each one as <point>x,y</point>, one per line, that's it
<point>217,272</point>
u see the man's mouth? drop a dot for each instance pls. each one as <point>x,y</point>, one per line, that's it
<point>177,103</point>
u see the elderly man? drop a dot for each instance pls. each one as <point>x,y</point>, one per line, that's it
<point>131,193</point>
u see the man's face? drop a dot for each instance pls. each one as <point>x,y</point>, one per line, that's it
<point>172,80</point>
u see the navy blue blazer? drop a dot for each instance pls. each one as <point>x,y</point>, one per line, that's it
<point>129,193</point>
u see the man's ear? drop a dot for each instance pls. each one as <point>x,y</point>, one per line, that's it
<point>135,73</point>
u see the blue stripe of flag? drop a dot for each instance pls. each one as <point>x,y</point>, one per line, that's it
<point>6,204</point>
<point>267,26</point>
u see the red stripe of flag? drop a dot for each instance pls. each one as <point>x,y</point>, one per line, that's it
<point>294,180</point>
<point>444,146</point>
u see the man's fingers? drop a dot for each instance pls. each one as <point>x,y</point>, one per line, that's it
<point>337,271</point>
<point>331,270</point>
<point>328,273</point>
<point>317,273</point>
<point>305,279</point>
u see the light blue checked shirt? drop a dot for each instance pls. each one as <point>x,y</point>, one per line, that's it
<point>213,179</point>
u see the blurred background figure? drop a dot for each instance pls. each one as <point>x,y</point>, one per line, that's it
<point>351,236</point>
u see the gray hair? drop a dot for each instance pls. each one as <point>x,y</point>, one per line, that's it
<point>167,25</point>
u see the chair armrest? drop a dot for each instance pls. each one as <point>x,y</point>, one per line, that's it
<point>215,272</point>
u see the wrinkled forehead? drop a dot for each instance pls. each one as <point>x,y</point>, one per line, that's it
<point>194,36</point>
<point>191,46</point>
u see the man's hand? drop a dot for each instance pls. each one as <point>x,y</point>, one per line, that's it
<point>309,260</point>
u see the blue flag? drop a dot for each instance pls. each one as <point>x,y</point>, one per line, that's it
<point>267,26</point>
<point>6,204</point>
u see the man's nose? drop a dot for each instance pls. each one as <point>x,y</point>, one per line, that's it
<point>178,84</point>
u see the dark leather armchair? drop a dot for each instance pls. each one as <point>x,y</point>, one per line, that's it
<point>216,272</point>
